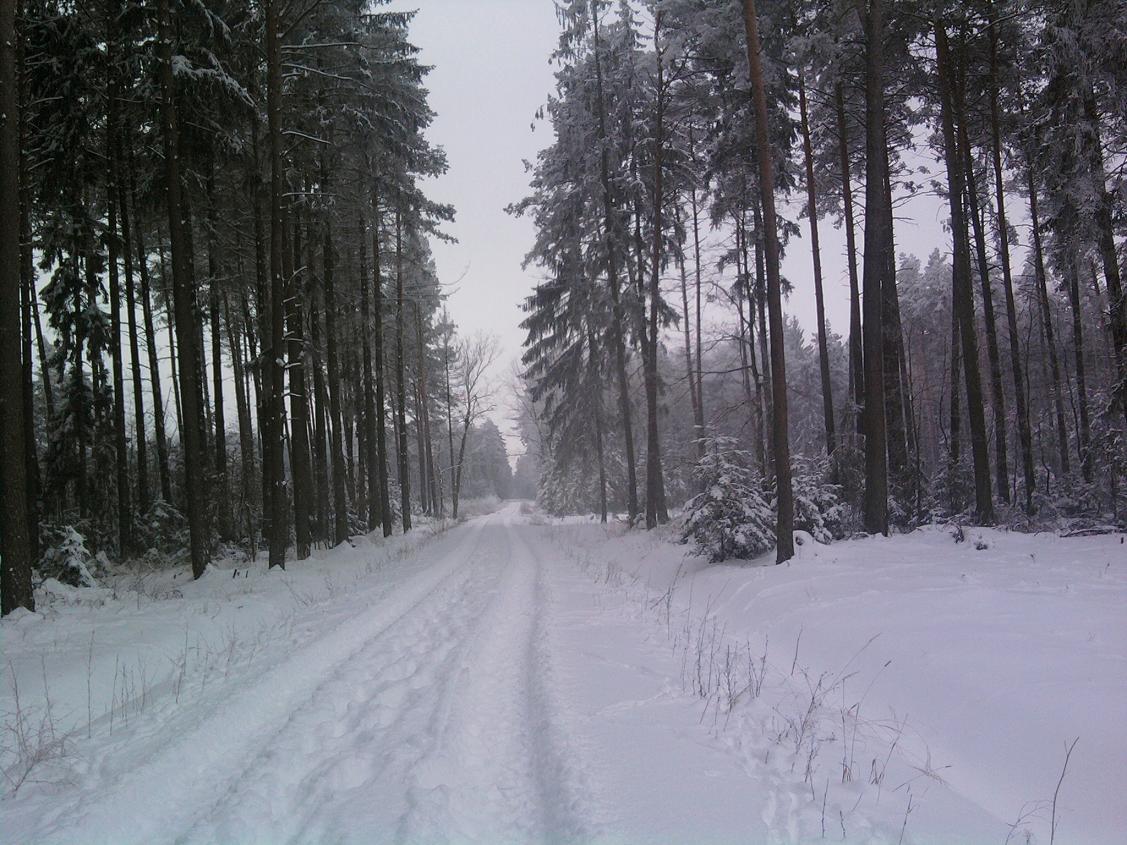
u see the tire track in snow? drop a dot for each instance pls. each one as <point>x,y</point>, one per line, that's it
<point>484,781</point>
<point>334,771</point>
<point>197,767</point>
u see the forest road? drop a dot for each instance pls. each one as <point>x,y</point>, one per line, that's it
<point>425,718</point>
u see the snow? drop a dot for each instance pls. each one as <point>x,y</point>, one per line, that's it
<point>514,679</point>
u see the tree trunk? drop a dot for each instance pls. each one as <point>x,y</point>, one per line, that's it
<point>993,355</point>
<point>784,529</point>
<point>700,430</point>
<point>954,448</point>
<point>1117,301</point>
<point>163,469</point>
<point>15,566</point>
<point>420,416</point>
<point>815,251</point>
<point>690,373</point>
<point>656,511</point>
<point>1084,430</point>
<point>319,420</point>
<point>1024,434</point>
<point>449,413</point>
<point>878,248</point>
<point>274,344</point>
<point>28,308</point>
<point>246,435</point>
<point>964,297</point>
<point>400,374</point>
<point>328,259</point>
<point>370,456</point>
<point>1047,320</point>
<point>121,453</point>
<point>184,306</point>
<point>299,402</point>
<point>618,335</point>
<point>378,364</point>
<point>113,245</point>
<point>856,368</point>
<point>596,382</point>
<point>134,342</point>
<point>222,489</point>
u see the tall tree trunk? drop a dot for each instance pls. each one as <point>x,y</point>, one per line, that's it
<point>423,423</point>
<point>328,260</point>
<point>1117,301</point>
<point>449,412</point>
<point>856,368</point>
<point>1084,430</point>
<point>319,420</point>
<point>378,364</point>
<point>400,374</point>
<point>184,305</point>
<point>656,511</point>
<point>170,325</point>
<point>121,453</point>
<point>784,496</point>
<point>954,449</point>
<point>29,310</point>
<point>690,372</point>
<point>618,334</point>
<point>993,354</point>
<point>113,244</point>
<point>163,469</point>
<point>1047,320</point>
<point>746,343</point>
<point>420,415</point>
<point>134,341</point>
<point>964,297</point>
<point>222,488</point>
<point>274,343</point>
<point>896,402</point>
<point>370,456</point>
<point>15,539</point>
<point>816,253</point>
<point>697,269</point>
<point>1024,433</point>
<point>299,402</point>
<point>246,435</point>
<point>878,248</point>
<point>596,380</point>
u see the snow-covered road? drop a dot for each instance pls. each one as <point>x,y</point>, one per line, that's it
<point>424,717</point>
<point>504,681</point>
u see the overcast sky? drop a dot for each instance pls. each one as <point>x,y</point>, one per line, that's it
<point>490,74</point>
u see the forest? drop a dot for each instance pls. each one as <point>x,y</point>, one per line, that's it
<point>543,421</point>
<point>207,196</point>
<point>695,142</point>
<point>234,193</point>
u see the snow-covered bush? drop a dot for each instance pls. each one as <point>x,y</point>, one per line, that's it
<point>66,558</point>
<point>952,491</point>
<point>730,518</point>
<point>161,527</point>
<point>818,505</point>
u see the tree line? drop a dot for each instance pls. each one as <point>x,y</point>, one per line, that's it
<point>200,196</point>
<point>696,141</point>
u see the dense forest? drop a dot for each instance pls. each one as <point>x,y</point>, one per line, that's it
<point>695,142</point>
<point>222,328</point>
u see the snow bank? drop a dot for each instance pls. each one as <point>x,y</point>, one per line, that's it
<point>959,670</point>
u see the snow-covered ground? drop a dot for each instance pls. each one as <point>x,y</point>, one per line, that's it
<point>515,680</point>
